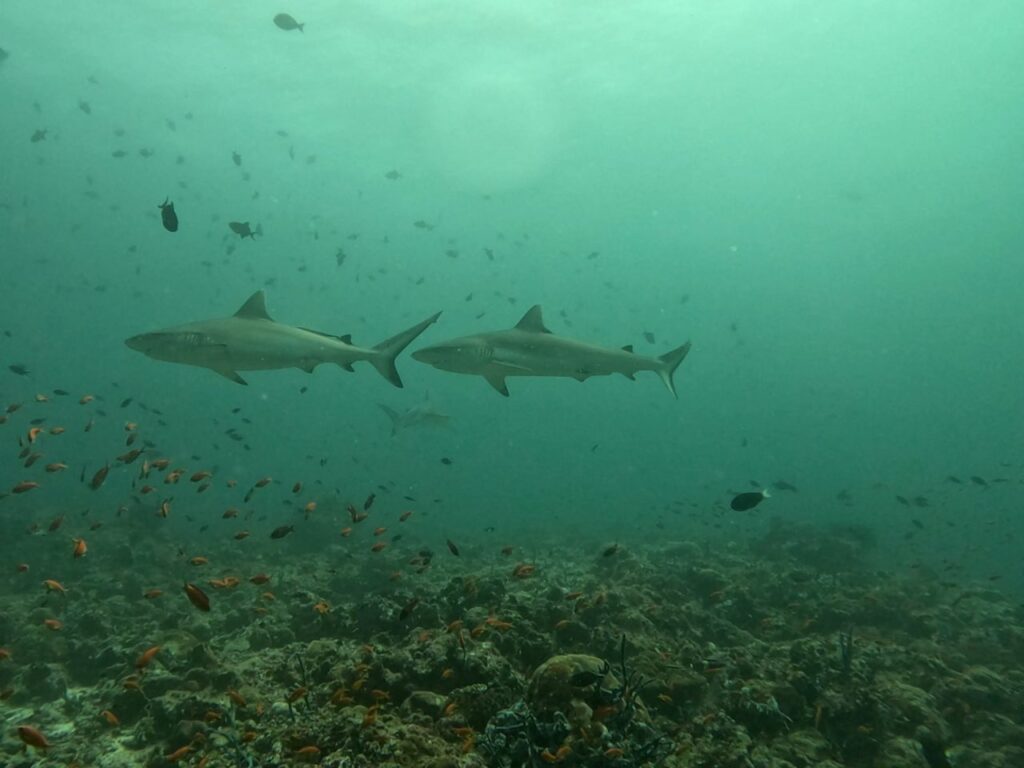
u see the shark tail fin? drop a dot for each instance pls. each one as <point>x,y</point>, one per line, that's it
<point>388,350</point>
<point>393,415</point>
<point>669,362</point>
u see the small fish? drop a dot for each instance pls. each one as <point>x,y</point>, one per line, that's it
<point>19,369</point>
<point>408,608</point>
<point>24,487</point>
<point>241,228</point>
<point>281,531</point>
<point>649,337</point>
<point>80,548</point>
<point>236,159</point>
<point>744,501</point>
<point>197,597</point>
<point>287,23</point>
<point>39,135</point>
<point>99,478</point>
<point>782,485</point>
<point>446,461</point>
<point>168,217</point>
<point>84,106</point>
<point>369,502</point>
<point>974,478</point>
<point>902,500</point>
<point>147,656</point>
<point>392,175</point>
<point>609,551</point>
<point>452,547</point>
<point>33,737</point>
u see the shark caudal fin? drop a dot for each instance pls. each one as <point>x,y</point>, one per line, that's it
<point>387,351</point>
<point>669,362</point>
<point>393,415</point>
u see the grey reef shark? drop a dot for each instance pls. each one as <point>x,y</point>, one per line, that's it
<point>426,414</point>
<point>530,349</point>
<point>250,340</point>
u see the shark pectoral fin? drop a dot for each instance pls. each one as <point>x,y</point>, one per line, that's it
<point>233,375</point>
<point>498,382</point>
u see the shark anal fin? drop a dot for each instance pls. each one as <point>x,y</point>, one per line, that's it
<point>498,382</point>
<point>629,375</point>
<point>307,367</point>
<point>532,321</point>
<point>233,375</point>
<point>348,367</point>
<point>255,307</point>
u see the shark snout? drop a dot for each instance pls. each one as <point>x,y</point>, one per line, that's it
<point>428,355</point>
<point>136,342</point>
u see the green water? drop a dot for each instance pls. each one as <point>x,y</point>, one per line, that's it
<point>824,197</point>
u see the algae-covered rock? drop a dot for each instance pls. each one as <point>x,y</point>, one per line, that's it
<point>899,752</point>
<point>425,702</point>
<point>562,680</point>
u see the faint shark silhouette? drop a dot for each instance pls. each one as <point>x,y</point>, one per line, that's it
<point>530,349</point>
<point>426,414</point>
<point>250,340</point>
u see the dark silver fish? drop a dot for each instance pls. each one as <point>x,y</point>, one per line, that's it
<point>745,501</point>
<point>168,216</point>
<point>242,229</point>
<point>287,22</point>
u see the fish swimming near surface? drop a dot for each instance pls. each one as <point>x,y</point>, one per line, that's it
<point>426,414</point>
<point>530,349</point>
<point>242,229</point>
<point>167,215</point>
<point>250,340</point>
<point>287,22</point>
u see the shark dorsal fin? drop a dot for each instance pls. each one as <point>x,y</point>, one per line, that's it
<point>255,308</point>
<point>533,321</point>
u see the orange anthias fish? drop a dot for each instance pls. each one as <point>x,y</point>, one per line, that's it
<point>146,657</point>
<point>197,597</point>
<point>33,737</point>
<point>80,548</point>
<point>52,585</point>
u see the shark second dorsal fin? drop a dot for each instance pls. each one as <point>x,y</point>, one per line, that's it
<point>628,348</point>
<point>533,321</point>
<point>255,308</point>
